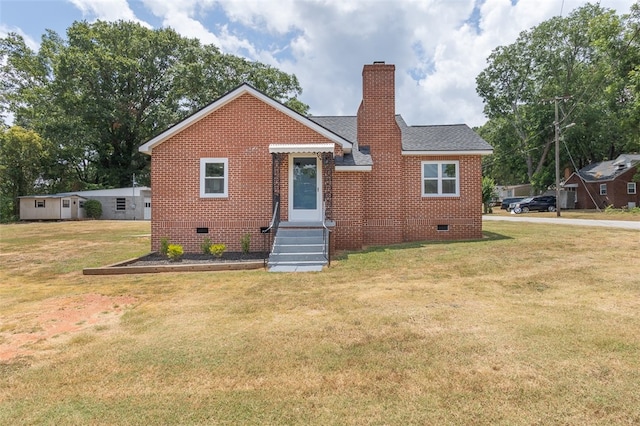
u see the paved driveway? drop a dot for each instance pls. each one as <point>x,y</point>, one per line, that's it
<point>565,221</point>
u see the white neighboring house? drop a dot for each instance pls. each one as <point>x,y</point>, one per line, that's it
<point>510,191</point>
<point>133,203</point>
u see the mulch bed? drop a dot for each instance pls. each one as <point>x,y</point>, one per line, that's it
<point>196,258</point>
<point>190,262</point>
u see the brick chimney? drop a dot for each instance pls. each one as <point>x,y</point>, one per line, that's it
<point>377,127</point>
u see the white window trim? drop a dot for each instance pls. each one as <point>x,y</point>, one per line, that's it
<point>203,163</point>
<point>631,185</point>
<point>603,189</point>
<point>439,163</point>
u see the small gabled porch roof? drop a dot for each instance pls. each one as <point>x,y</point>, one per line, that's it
<point>245,88</point>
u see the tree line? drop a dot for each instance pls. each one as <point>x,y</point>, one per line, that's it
<point>589,62</point>
<point>82,105</point>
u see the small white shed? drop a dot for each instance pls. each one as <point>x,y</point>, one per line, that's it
<point>52,207</point>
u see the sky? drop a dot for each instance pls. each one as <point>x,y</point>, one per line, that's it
<point>437,46</point>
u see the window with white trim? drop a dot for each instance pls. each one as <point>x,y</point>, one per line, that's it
<point>121,204</point>
<point>214,177</point>
<point>603,189</point>
<point>631,187</point>
<point>39,204</point>
<point>66,204</point>
<point>440,178</point>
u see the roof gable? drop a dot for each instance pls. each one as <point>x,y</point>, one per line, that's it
<point>245,88</point>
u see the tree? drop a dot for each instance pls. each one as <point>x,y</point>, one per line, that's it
<point>23,156</point>
<point>109,87</point>
<point>93,209</point>
<point>568,60</point>
<point>488,193</point>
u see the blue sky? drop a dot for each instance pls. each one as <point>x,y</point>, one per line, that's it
<point>438,46</point>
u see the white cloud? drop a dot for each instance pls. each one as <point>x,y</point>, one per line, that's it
<point>179,16</point>
<point>30,42</point>
<point>437,50</point>
<point>108,10</point>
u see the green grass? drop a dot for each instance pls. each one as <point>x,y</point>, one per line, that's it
<point>535,324</point>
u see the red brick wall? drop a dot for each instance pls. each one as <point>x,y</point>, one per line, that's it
<point>240,131</point>
<point>348,210</point>
<point>462,214</point>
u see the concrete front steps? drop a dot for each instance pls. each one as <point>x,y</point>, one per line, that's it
<point>297,248</point>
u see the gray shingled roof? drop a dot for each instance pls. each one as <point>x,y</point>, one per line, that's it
<point>456,137</point>
<point>453,137</point>
<point>347,128</point>
<point>609,170</point>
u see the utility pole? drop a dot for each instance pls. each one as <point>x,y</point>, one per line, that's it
<point>557,132</point>
<point>133,196</point>
<point>556,125</point>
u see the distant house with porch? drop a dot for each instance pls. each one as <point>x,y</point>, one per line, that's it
<point>608,183</point>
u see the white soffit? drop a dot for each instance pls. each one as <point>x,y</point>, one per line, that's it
<point>299,148</point>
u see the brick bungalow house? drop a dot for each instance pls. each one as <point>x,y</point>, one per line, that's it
<point>372,179</point>
<point>608,183</point>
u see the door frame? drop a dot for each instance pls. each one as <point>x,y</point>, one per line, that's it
<point>65,212</point>
<point>306,215</point>
<point>146,212</point>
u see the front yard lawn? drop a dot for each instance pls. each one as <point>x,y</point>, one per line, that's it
<point>535,324</point>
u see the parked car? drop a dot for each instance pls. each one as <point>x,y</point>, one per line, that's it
<point>507,201</point>
<point>543,203</point>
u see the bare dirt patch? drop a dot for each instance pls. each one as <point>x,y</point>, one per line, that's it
<point>57,320</point>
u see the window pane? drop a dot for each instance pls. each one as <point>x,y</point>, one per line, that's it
<point>214,170</point>
<point>430,186</point>
<point>430,170</point>
<point>448,170</point>
<point>603,189</point>
<point>448,186</point>
<point>214,186</point>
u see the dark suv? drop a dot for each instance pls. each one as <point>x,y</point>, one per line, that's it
<point>507,201</point>
<point>543,203</point>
